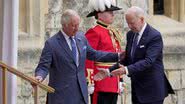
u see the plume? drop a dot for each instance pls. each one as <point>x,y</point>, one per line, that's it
<point>100,5</point>
<point>107,3</point>
<point>92,5</point>
<point>113,2</point>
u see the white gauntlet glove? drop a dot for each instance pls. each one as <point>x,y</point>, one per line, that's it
<point>90,89</point>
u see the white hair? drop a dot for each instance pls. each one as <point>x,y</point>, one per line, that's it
<point>67,15</point>
<point>136,10</point>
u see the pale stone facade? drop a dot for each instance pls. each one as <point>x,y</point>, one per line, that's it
<point>1,32</point>
<point>40,19</point>
<point>1,25</point>
<point>8,47</point>
<point>175,9</point>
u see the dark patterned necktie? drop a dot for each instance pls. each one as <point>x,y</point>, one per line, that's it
<point>134,45</point>
<point>74,49</point>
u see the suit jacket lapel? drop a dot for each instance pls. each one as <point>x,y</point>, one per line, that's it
<point>131,36</point>
<point>141,41</point>
<point>144,35</point>
<point>63,43</point>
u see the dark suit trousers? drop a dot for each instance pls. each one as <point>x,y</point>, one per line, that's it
<point>107,98</point>
<point>158,102</point>
<point>136,101</point>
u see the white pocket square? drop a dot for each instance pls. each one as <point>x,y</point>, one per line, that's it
<point>141,46</point>
<point>84,47</point>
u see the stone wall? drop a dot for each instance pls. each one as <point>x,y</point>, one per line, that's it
<point>175,9</point>
<point>174,58</point>
<point>28,60</point>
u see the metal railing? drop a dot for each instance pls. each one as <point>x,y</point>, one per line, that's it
<point>36,83</point>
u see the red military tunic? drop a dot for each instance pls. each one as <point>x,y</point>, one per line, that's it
<point>102,38</point>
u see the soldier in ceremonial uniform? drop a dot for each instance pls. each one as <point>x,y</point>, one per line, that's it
<point>105,38</point>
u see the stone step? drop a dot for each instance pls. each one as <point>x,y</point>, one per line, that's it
<point>165,24</point>
<point>173,33</point>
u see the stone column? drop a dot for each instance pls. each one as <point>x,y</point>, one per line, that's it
<point>1,39</point>
<point>29,17</point>
<point>175,9</point>
<point>167,8</point>
<point>1,32</point>
<point>22,17</point>
<point>151,7</point>
<point>52,24</point>
<point>35,8</point>
<point>43,11</point>
<point>182,11</point>
<point>172,8</point>
<point>9,15</point>
<point>38,10</point>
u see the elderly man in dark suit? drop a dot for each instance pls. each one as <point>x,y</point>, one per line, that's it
<point>63,57</point>
<point>143,61</point>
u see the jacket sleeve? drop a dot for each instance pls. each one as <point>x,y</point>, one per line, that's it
<point>45,62</point>
<point>93,40</point>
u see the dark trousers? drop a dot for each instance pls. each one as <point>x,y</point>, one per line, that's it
<point>157,102</point>
<point>107,98</point>
<point>136,101</point>
<point>47,98</point>
<point>91,99</point>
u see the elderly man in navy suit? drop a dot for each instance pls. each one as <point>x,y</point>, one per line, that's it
<point>143,61</point>
<point>63,57</point>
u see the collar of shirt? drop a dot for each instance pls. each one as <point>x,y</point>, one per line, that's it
<point>141,33</point>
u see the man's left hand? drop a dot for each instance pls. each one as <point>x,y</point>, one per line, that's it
<point>119,71</point>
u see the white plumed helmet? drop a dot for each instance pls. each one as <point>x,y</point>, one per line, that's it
<point>96,6</point>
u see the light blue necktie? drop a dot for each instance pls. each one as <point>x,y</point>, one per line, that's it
<point>134,45</point>
<point>74,49</point>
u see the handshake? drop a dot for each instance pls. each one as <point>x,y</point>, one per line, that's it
<point>115,70</point>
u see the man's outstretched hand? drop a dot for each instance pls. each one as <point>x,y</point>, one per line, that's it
<point>119,71</point>
<point>103,73</point>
